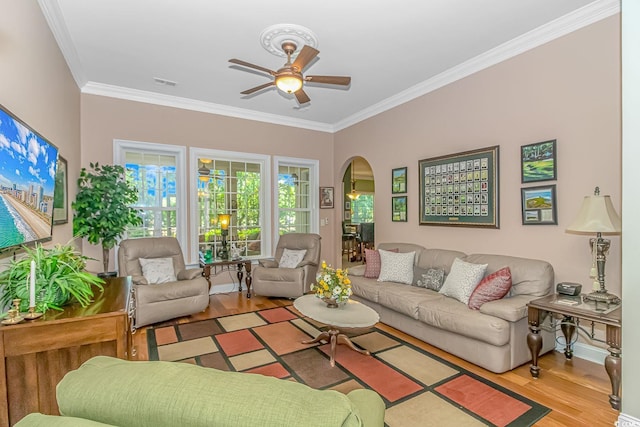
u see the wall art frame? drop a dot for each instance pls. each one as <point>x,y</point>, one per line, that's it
<point>538,162</point>
<point>347,215</point>
<point>461,189</point>
<point>539,205</point>
<point>326,197</point>
<point>399,209</point>
<point>399,180</point>
<point>60,196</point>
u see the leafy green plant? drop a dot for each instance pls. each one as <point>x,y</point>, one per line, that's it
<point>102,209</point>
<point>60,278</point>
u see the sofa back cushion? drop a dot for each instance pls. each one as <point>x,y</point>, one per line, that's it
<point>528,276</point>
<point>404,248</point>
<point>440,258</point>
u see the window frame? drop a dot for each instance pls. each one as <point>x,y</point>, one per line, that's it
<point>179,151</point>
<point>265,200</point>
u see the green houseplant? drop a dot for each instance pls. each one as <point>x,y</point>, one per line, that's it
<point>102,209</point>
<point>60,278</point>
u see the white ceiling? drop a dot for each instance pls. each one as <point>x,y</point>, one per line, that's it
<point>393,50</point>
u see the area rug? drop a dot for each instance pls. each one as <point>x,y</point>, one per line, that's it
<point>418,388</point>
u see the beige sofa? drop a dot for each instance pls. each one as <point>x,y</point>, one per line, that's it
<point>494,337</point>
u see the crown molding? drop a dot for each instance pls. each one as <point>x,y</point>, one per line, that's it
<point>55,20</point>
<point>559,27</point>
<point>94,88</point>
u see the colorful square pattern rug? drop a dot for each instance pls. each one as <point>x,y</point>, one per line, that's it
<point>418,388</point>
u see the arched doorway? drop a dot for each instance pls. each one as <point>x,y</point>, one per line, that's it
<point>357,210</point>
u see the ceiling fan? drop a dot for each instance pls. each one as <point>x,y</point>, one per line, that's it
<point>289,78</point>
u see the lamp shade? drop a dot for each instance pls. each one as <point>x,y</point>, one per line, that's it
<point>223,219</point>
<point>289,83</point>
<point>597,215</point>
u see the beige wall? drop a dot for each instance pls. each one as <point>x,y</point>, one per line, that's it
<point>568,90</point>
<point>36,85</point>
<point>105,119</point>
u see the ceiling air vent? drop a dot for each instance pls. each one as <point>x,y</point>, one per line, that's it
<point>164,82</point>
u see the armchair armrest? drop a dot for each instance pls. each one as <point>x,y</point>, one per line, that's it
<point>307,262</point>
<point>510,309</point>
<point>139,280</point>
<point>189,273</point>
<point>268,263</point>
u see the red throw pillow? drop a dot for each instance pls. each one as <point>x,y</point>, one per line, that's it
<point>493,287</point>
<point>372,256</point>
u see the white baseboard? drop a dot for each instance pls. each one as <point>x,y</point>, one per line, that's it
<point>625,420</point>
<point>585,351</point>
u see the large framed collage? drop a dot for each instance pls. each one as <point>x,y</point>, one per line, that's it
<point>460,189</point>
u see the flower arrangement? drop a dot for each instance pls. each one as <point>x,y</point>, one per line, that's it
<point>332,284</point>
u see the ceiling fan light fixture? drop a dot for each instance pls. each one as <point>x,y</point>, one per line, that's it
<point>289,83</point>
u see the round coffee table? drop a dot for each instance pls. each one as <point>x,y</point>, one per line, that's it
<point>351,315</point>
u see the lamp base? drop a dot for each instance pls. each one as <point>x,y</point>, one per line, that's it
<point>604,297</point>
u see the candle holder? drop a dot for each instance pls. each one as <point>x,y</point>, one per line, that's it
<point>32,314</point>
<point>14,314</point>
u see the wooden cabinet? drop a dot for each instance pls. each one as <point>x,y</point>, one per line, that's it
<point>37,354</point>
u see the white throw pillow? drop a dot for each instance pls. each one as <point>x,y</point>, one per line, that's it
<point>396,267</point>
<point>291,258</point>
<point>157,270</point>
<point>462,280</point>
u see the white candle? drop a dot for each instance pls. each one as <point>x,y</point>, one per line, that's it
<point>32,285</point>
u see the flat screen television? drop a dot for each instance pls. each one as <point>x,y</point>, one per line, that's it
<point>28,165</point>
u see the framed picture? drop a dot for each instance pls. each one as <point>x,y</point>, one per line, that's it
<point>399,209</point>
<point>538,161</point>
<point>60,214</point>
<point>460,189</point>
<point>326,197</point>
<point>347,205</point>
<point>399,180</point>
<point>539,205</point>
<point>347,215</point>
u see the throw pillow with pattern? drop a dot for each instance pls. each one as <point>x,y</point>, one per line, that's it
<point>493,287</point>
<point>396,267</point>
<point>372,269</point>
<point>462,280</point>
<point>157,270</point>
<point>433,279</point>
<point>291,258</point>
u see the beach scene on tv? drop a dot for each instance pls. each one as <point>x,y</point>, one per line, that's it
<point>27,181</point>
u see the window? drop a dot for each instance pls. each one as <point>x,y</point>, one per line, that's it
<point>157,171</point>
<point>362,208</point>
<point>234,184</point>
<point>296,195</point>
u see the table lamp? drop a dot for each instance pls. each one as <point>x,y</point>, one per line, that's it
<point>223,220</point>
<point>597,215</point>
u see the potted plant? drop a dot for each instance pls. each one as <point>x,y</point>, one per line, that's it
<point>102,209</point>
<point>60,277</point>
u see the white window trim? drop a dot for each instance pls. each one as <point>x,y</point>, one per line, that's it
<point>314,175</point>
<point>265,200</point>
<point>121,145</point>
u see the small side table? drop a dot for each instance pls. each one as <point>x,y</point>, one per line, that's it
<point>571,314</point>
<point>222,264</point>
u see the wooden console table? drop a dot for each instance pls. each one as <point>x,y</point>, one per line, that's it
<point>37,354</point>
<point>539,309</point>
<point>222,265</point>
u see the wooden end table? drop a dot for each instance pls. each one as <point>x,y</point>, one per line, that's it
<point>571,314</point>
<point>351,315</point>
<point>222,264</point>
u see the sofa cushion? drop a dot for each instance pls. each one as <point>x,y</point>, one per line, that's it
<point>291,257</point>
<point>462,280</point>
<point>403,248</point>
<point>365,288</point>
<point>396,267</point>
<point>372,267</point>
<point>439,258</point>
<point>453,316</point>
<point>493,287</point>
<point>157,270</point>
<point>405,299</point>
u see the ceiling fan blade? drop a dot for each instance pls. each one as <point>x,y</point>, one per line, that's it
<point>301,96</point>
<point>257,88</point>
<point>250,65</point>
<point>304,57</point>
<point>332,80</point>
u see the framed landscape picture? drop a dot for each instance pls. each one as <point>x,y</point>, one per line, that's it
<point>460,189</point>
<point>539,205</point>
<point>399,209</point>
<point>399,180</point>
<point>538,161</point>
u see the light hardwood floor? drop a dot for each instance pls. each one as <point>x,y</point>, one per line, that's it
<point>576,391</point>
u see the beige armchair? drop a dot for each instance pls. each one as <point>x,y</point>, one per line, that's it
<point>269,279</point>
<point>187,294</point>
